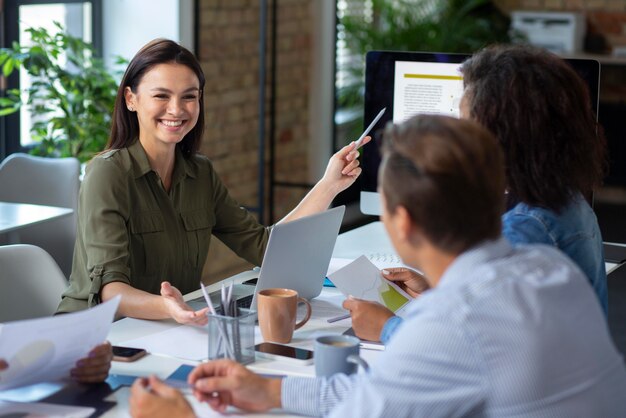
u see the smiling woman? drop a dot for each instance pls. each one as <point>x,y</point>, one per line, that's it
<point>167,107</point>
<point>150,203</point>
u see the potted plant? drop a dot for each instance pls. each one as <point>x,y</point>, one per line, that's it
<point>71,95</point>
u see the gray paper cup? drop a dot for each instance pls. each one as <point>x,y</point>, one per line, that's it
<point>337,354</point>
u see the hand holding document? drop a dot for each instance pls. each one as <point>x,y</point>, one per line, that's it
<point>46,349</point>
<point>363,280</point>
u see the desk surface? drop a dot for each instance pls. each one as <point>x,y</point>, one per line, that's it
<point>327,305</point>
<point>14,216</point>
<point>370,240</point>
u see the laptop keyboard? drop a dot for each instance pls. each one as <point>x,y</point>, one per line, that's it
<point>242,303</point>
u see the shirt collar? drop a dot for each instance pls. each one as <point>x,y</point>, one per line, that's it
<point>141,165</point>
<point>468,261</point>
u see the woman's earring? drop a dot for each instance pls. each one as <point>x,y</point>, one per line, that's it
<point>131,109</point>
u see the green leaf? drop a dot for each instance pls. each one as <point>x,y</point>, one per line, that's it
<point>9,110</point>
<point>8,66</point>
<point>72,107</point>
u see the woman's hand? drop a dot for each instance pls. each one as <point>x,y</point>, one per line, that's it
<point>342,170</point>
<point>153,398</point>
<point>178,309</point>
<point>408,280</point>
<point>343,167</point>
<point>95,367</point>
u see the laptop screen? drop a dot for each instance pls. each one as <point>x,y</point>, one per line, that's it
<point>410,83</point>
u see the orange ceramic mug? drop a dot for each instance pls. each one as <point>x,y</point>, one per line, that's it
<point>277,314</point>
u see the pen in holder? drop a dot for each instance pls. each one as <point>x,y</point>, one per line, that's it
<point>232,336</point>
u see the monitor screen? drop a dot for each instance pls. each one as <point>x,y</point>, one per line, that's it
<point>410,83</point>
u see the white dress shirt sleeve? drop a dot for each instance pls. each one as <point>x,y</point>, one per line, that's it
<point>429,369</point>
<point>315,396</point>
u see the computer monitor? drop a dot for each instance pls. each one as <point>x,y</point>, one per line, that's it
<point>409,83</point>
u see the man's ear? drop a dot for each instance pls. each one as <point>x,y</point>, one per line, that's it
<point>407,230</point>
<point>403,223</point>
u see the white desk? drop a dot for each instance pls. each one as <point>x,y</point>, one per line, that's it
<point>14,216</point>
<point>325,306</point>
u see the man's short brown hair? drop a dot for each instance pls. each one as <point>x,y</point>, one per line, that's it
<point>449,175</point>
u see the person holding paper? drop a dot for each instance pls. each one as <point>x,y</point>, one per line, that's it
<point>150,203</point>
<point>554,157</point>
<point>92,369</point>
<point>493,337</point>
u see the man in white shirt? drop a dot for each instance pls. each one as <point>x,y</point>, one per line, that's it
<point>503,332</point>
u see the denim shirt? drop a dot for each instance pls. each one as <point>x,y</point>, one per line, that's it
<point>574,231</point>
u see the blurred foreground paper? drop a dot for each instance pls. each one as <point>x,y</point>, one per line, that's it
<point>46,349</point>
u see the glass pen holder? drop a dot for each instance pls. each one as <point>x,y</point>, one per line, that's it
<point>232,337</point>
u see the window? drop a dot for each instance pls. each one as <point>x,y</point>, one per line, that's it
<point>348,79</point>
<point>80,18</point>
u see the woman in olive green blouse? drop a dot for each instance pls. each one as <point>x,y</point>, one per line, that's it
<point>150,203</point>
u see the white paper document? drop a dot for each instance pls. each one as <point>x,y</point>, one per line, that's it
<point>41,410</point>
<point>426,87</point>
<point>380,260</point>
<point>184,342</point>
<point>46,349</point>
<point>363,280</point>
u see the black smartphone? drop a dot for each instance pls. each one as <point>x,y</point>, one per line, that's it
<point>127,354</point>
<point>284,352</point>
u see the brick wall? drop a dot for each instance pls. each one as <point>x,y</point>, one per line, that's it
<point>605,17</point>
<point>228,50</point>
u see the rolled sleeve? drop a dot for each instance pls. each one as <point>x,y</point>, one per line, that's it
<point>390,327</point>
<point>101,254</point>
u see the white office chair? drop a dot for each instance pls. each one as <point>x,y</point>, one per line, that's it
<point>44,181</point>
<point>31,283</point>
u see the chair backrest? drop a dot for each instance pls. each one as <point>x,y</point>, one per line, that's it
<point>31,283</point>
<point>44,181</point>
<point>39,180</point>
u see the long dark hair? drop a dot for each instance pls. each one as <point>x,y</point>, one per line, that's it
<point>540,111</point>
<point>449,175</point>
<point>125,127</point>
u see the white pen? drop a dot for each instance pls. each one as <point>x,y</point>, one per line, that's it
<point>359,141</point>
<point>222,332</point>
<point>207,299</point>
<point>223,300</point>
<point>338,318</point>
<point>229,293</point>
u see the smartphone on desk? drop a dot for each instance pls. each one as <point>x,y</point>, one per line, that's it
<point>127,354</point>
<point>284,352</point>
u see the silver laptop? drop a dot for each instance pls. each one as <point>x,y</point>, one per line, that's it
<point>297,257</point>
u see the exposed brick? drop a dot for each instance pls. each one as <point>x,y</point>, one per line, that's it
<point>228,50</point>
<point>553,4</point>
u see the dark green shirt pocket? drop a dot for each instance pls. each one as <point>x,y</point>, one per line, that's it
<point>148,246</point>
<point>198,226</point>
